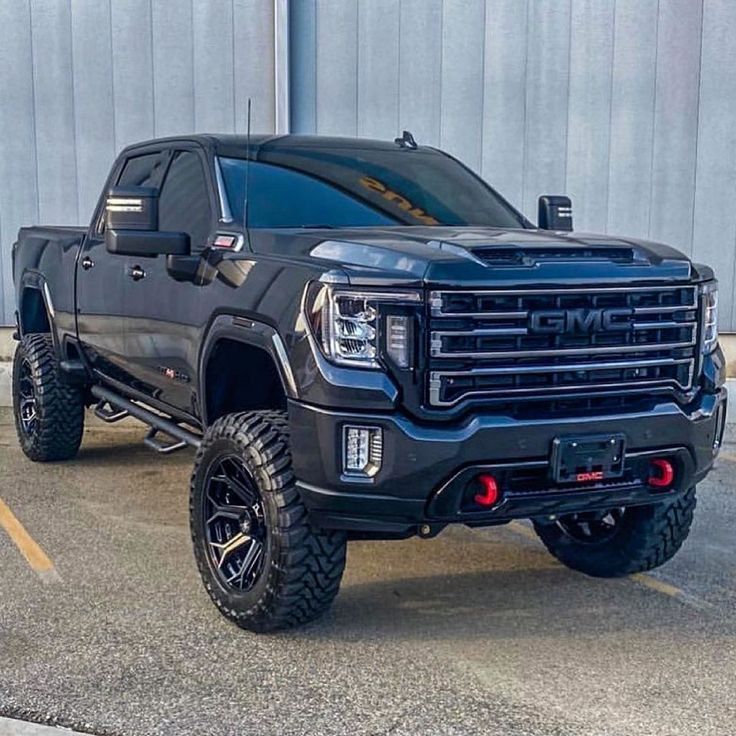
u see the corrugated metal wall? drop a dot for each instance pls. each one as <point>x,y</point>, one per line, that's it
<point>629,106</point>
<point>80,79</point>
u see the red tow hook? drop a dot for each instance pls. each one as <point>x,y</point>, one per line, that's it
<point>664,476</point>
<point>489,496</point>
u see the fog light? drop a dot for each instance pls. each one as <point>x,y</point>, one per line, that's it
<point>663,473</point>
<point>362,450</point>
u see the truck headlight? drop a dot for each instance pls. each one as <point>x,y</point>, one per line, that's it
<point>348,325</point>
<point>710,316</point>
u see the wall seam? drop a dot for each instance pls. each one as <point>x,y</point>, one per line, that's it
<point>153,70</point>
<point>697,130</point>
<point>654,122</point>
<point>74,112</point>
<point>33,100</point>
<point>112,79</point>
<point>610,117</point>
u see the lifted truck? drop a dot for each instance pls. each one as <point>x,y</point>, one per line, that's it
<point>362,339</point>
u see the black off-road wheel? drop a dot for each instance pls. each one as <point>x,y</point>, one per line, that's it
<point>620,541</point>
<point>261,561</point>
<point>49,414</point>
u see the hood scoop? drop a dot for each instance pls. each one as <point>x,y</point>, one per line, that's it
<point>530,256</point>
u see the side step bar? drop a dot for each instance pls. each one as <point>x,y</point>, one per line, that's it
<point>156,422</point>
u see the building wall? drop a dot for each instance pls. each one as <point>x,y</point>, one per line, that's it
<point>80,79</point>
<point>628,106</point>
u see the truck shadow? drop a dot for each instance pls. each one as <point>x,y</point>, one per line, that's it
<point>529,597</point>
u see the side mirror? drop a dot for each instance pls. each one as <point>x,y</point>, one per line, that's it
<point>146,243</point>
<point>554,213</point>
<point>131,225</point>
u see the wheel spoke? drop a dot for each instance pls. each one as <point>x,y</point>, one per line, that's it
<point>234,523</point>
<point>251,559</point>
<point>592,527</point>
<point>227,548</point>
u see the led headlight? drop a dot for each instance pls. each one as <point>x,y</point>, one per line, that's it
<point>710,316</point>
<point>348,325</point>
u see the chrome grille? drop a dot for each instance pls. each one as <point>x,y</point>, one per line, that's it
<point>483,344</point>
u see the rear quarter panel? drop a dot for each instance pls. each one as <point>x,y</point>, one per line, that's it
<point>44,258</point>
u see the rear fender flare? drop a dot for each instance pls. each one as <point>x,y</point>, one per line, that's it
<point>34,281</point>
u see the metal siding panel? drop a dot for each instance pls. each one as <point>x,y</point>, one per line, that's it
<point>132,71</point>
<point>94,115</point>
<point>589,112</point>
<point>214,110</point>
<point>254,70</point>
<point>632,116</point>
<point>18,174</point>
<point>676,122</point>
<point>463,38</point>
<point>714,231</point>
<point>337,63</point>
<point>378,68</point>
<point>504,103</point>
<point>172,67</point>
<point>303,65</point>
<point>546,102</point>
<point>54,112</point>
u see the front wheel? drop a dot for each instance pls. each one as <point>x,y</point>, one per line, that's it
<point>620,541</point>
<point>263,564</point>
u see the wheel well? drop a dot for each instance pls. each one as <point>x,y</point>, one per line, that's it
<point>241,377</point>
<point>33,315</point>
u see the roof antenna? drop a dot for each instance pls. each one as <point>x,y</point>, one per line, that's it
<point>406,140</point>
<point>247,168</point>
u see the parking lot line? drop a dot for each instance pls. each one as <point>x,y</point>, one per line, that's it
<point>642,578</point>
<point>29,548</point>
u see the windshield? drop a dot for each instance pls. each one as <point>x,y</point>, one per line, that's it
<point>371,187</point>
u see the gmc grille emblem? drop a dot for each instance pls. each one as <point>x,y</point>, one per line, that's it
<point>586,321</point>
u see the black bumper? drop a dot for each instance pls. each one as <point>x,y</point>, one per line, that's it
<point>424,467</point>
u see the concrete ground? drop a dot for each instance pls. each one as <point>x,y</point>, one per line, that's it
<point>475,632</point>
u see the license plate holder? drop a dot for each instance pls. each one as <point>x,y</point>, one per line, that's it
<point>588,458</point>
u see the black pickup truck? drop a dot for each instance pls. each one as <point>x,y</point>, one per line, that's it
<point>363,340</point>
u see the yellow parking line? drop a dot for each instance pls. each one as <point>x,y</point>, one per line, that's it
<point>648,581</point>
<point>29,548</point>
<point>659,585</point>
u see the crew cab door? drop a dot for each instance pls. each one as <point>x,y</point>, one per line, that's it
<point>101,276</point>
<point>163,317</point>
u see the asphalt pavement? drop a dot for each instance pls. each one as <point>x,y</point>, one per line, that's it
<point>474,632</point>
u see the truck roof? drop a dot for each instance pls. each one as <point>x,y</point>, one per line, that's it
<point>230,144</point>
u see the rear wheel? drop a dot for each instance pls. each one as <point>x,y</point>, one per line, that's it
<point>262,563</point>
<point>49,414</point>
<point>620,541</point>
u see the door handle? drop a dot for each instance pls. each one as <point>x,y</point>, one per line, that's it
<point>136,272</point>
<point>87,263</point>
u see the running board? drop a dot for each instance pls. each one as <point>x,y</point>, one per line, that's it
<point>105,411</point>
<point>156,422</point>
<point>156,444</point>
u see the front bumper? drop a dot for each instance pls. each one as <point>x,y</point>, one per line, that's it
<point>421,463</point>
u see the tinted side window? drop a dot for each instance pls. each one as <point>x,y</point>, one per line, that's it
<point>184,204</point>
<point>142,171</point>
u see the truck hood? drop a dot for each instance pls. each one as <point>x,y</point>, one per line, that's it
<point>477,256</point>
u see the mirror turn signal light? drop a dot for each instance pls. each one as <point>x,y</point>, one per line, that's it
<point>490,493</point>
<point>662,473</point>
